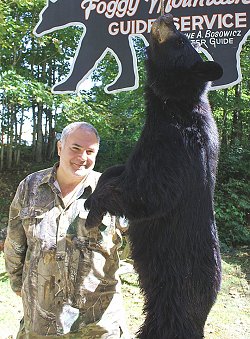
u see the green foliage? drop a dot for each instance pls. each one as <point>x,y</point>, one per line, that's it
<point>113,152</point>
<point>232,196</point>
<point>231,111</point>
<point>18,90</point>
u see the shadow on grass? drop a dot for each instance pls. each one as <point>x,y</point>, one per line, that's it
<point>239,257</point>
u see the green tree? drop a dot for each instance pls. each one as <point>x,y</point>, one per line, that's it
<point>231,110</point>
<point>36,63</point>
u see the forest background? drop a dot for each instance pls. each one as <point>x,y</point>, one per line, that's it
<point>31,119</point>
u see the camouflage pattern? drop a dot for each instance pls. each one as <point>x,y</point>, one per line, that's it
<point>67,275</point>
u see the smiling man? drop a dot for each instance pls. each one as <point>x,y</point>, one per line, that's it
<point>66,275</point>
<point>77,150</point>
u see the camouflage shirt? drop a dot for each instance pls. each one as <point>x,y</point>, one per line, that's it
<point>66,274</point>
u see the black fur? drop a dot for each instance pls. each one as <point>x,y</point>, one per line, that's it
<point>166,190</point>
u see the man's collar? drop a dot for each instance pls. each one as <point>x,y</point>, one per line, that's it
<point>90,181</point>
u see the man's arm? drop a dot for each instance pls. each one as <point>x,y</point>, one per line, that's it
<point>16,243</point>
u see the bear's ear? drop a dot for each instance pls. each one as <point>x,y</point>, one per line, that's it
<point>207,70</point>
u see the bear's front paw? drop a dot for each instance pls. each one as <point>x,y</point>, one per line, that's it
<point>94,218</point>
<point>88,225</point>
<point>87,204</point>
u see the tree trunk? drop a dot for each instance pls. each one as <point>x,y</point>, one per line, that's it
<point>51,136</point>
<point>224,137</point>
<point>236,133</point>
<point>34,133</point>
<point>15,134</point>
<point>39,130</point>
<point>19,141</point>
<point>10,139</point>
<point>2,148</point>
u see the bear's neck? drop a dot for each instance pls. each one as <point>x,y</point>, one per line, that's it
<point>168,110</point>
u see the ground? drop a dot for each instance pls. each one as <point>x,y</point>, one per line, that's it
<point>229,318</point>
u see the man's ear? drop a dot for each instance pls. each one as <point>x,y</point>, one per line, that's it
<point>207,70</point>
<point>59,147</point>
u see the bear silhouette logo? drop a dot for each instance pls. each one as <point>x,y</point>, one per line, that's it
<point>109,26</point>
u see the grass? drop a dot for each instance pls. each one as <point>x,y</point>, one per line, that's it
<point>228,319</point>
<point>10,306</point>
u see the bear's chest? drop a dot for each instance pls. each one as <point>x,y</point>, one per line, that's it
<point>174,140</point>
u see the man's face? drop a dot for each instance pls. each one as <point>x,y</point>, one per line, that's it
<point>78,153</point>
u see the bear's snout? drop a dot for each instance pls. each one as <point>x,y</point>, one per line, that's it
<point>163,28</point>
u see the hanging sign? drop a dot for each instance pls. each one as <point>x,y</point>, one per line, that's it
<point>219,26</point>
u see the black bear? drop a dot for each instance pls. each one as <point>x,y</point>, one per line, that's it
<point>166,190</point>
